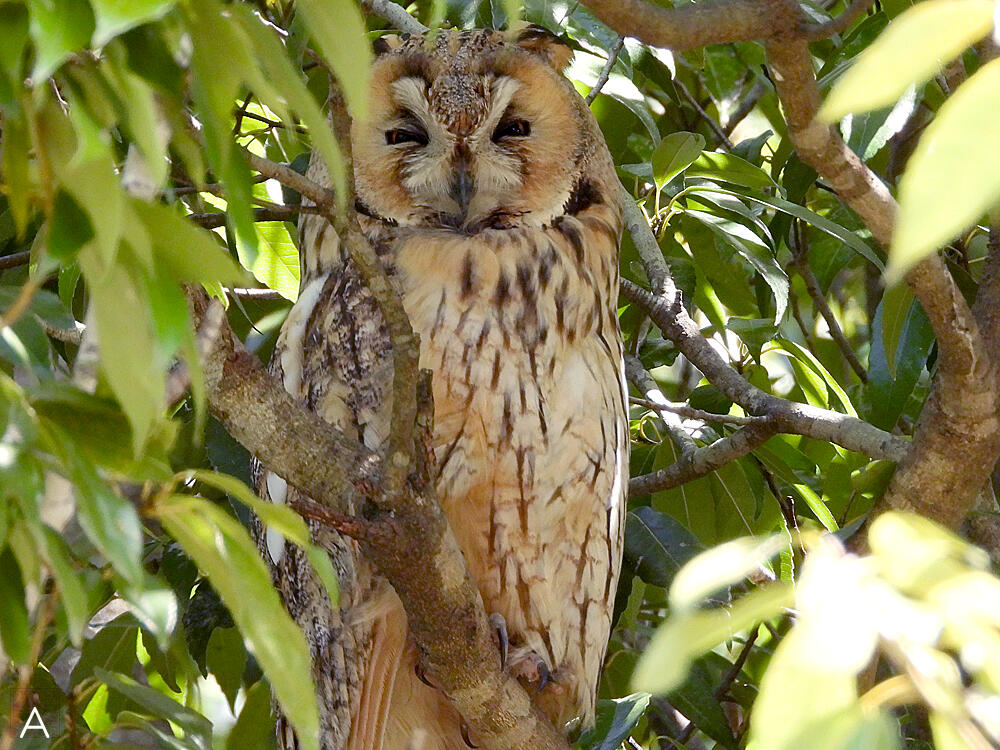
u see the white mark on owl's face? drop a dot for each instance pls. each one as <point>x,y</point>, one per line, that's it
<point>467,172</point>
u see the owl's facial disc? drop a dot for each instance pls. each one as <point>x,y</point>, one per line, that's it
<point>461,146</point>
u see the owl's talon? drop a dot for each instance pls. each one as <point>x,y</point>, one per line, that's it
<point>503,641</point>
<point>531,668</point>
<point>464,728</point>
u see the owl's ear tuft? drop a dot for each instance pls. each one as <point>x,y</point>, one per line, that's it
<point>387,43</point>
<point>543,43</point>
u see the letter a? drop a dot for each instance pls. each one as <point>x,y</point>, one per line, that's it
<point>34,716</point>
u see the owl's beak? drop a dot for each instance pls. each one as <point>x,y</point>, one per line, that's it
<point>462,187</point>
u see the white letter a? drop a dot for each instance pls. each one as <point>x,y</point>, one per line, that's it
<point>32,717</point>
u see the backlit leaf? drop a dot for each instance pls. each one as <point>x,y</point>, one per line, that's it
<point>913,48</point>
<point>953,177</point>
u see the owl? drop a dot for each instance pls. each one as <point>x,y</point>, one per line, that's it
<point>488,194</point>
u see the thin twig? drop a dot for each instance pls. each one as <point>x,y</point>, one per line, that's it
<point>215,219</point>
<point>705,460</point>
<point>396,16</point>
<point>852,13</point>
<point>690,412</point>
<point>72,336</point>
<point>720,134</point>
<point>602,79</point>
<point>801,263</point>
<point>641,379</point>
<point>255,294</point>
<point>15,259</point>
<point>745,108</point>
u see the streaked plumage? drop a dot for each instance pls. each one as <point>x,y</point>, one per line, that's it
<point>488,193</point>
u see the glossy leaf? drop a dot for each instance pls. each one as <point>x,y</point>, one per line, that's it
<point>674,154</point>
<point>657,546</point>
<point>953,177</point>
<point>720,566</point>
<point>939,29</point>
<point>615,721</point>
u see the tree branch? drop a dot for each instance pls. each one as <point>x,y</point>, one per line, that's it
<point>396,15</point>
<point>606,70</point>
<point>704,460</point>
<point>852,13</point>
<point>669,314</point>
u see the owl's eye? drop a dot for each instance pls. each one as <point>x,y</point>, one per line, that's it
<point>405,135</point>
<point>512,129</point>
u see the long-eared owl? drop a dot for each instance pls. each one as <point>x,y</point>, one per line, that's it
<point>488,193</point>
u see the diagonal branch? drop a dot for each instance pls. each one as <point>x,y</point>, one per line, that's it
<point>704,460</point>
<point>667,311</point>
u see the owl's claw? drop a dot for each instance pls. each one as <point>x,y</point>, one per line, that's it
<point>503,641</point>
<point>464,728</point>
<point>531,668</point>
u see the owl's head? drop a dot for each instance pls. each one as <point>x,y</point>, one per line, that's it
<point>470,130</point>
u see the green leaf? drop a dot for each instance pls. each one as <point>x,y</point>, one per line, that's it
<point>809,359</point>
<point>218,58</point>
<point>714,165</point>
<point>682,638</point>
<point>113,648</point>
<point>616,718</point>
<point>914,47</point>
<point>276,261</point>
<point>69,229</point>
<point>15,166</point>
<point>896,304</point>
<point>288,81</point>
<point>721,566</point>
<point>281,518</point>
<point>59,28</point>
<point>657,546</point>
<point>953,177</point>
<point>831,228</point>
<point>14,22</point>
<point>221,547</point>
<point>337,28</point>
<point>745,242</point>
<point>117,16</point>
<point>254,729</point>
<point>160,706</point>
<point>674,154</point>
<point>13,614</point>
<point>226,658</point>
<point>55,552</point>
<point>696,699</point>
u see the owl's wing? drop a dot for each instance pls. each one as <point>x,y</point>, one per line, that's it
<point>331,355</point>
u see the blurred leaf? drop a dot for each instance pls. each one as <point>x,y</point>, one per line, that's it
<point>223,550</point>
<point>58,28</point>
<point>117,16</point>
<point>867,133</point>
<point>684,637</point>
<point>254,728</point>
<point>615,720</point>
<point>225,658</point>
<point>13,614</point>
<point>55,552</point>
<point>282,519</point>
<point>940,30</point>
<point>953,177</point>
<point>276,261</point>
<point>69,229</point>
<point>674,154</point>
<point>15,165</point>
<point>721,566</point>
<point>338,29</point>
<point>194,724</point>
<point>657,546</point>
